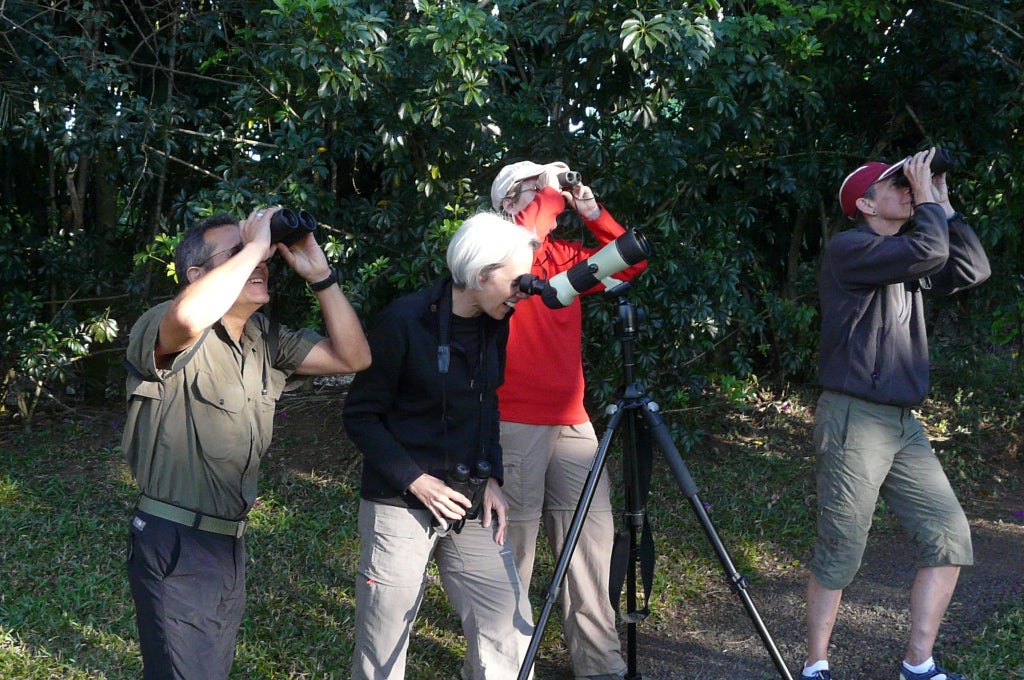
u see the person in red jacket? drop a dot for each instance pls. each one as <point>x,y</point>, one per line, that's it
<point>546,434</point>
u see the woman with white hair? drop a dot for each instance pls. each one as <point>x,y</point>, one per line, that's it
<point>427,404</point>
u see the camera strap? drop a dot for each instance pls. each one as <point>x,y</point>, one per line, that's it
<point>478,374</point>
<point>444,330</point>
<point>444,358</point>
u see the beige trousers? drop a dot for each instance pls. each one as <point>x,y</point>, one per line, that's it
<point>478,575</point>
<point>546,468</point>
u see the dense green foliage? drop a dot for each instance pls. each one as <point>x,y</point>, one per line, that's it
<point>719,128</point>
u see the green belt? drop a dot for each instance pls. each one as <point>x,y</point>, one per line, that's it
<point>193,519</point>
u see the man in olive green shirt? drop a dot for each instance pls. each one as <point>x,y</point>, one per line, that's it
<point>206,370</point>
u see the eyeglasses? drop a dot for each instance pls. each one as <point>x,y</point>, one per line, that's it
<point>232,251</point>
<point>517,189</point>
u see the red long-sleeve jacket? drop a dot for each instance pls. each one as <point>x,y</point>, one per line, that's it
<point>544,369</point>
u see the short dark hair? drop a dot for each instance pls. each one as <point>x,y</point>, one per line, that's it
<point>193,249</point>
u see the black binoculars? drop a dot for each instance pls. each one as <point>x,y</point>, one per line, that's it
<point>471,484</point>
<point>287,226</point>
<point>942,161</point>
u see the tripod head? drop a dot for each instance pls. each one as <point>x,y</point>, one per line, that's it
<point>627,323</point>
<point>628,317</point>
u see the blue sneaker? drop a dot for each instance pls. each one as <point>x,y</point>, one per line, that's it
<point>819,675</point>
<point>936,673</point>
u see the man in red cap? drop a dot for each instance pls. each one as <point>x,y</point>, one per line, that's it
<point>873,367</point>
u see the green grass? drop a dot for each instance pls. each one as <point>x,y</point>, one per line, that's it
<point>998,652</point>
<point>65,498</point>
<point>65,609</point>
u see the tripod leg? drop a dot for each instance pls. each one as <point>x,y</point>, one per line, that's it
<point>635,479</point>
<point>664,442</point>
<point>571,540</point>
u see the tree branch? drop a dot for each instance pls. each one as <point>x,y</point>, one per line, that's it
<point>222,138</point>
<point>981,14</point>
<point>188,165</point>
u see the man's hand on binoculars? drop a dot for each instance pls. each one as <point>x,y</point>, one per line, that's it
<point>307,258</point>
<point>918,172</point>
<point>941,191</point>
<point>256,229</point>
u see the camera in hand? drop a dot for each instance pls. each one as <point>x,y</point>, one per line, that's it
<point>287,226</point>
<point>471,484</point>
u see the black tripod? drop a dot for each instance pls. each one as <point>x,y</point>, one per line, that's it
<point>644,419</point>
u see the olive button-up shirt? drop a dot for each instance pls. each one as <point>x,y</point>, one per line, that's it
<point>196,431</point>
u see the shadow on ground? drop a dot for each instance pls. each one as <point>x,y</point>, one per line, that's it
<point>716,640</point>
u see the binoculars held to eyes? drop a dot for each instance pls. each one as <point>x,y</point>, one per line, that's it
<point>287,226</point>
<point>942,161</point>
<point>569,179</point>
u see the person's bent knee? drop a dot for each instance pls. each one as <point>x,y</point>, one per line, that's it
<point>834,579</point>
<point>838,551</point>
<point>836,563</point>
<point>949,548</point>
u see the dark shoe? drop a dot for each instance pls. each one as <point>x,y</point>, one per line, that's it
<point>936,673</point>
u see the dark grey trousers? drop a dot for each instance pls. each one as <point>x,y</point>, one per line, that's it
<point>189,591</point>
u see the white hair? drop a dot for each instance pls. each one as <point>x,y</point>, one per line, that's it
<point>485,242</point>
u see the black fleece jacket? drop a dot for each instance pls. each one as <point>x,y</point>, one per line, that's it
<point>406,416</point>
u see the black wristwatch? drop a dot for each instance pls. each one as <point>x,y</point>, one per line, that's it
<point>331,279</point>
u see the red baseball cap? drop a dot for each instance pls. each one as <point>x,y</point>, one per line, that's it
<point>858,181</point>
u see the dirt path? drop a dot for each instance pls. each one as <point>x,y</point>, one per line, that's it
<point>718,641</point>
